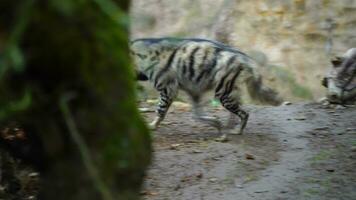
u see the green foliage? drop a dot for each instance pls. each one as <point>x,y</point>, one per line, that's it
<point>12,56</point>
<point>14,106</point>
<point>60,47</point>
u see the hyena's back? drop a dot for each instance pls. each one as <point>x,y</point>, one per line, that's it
<point>199,65</point>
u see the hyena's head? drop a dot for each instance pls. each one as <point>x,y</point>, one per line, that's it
<point>341,80</point>
<point>145,57</point>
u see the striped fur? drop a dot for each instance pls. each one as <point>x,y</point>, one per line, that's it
<point>341,79</point>
<point>197,66</point>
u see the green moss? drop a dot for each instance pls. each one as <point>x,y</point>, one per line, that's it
<point>15,105</point>
<point>80,48</point>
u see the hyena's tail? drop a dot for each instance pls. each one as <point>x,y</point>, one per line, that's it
<point>260,92</point>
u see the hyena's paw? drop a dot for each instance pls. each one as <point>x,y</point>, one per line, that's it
<point>233,131</point>
<point>222,138</point>
<point>155,123</point>
<point>145,110</point>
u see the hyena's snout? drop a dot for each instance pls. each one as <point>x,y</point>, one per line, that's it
<point>334,93</point>
<point>333,97</point>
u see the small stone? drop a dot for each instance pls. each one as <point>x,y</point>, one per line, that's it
<point>340,107</point>
<point>249,156</point>
<point>350,129</point>
<point>144,110</point>
<point>300,118</point>
<point>286,103</point>
<point>321,128</point>
<point>177,187</point>
<point>33,174</point>
<point>149,193</point>
<point>213,179</point>
<point>199,175</point>
<point>174,146</point>
<point>261,191</point>
<point>197,151</point>
<point>353,148</point>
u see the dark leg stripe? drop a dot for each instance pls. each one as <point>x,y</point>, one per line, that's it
<point>230,84</point>
<point>149,68</point>
<point>205,71</point>
<point>164,101</point>
<point>184,69</point>
<point>211,65</point>
<point>192,62</point>
<point>151,75</point>
<point>231,60</point>
<point>222,81</point>
<point>180,66</point>
<point>202,67</point>
<point>166,67</point>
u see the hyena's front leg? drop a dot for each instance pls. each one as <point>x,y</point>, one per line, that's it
<point>167,95</point>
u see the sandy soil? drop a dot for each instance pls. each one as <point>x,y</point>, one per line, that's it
<point>299,151</point>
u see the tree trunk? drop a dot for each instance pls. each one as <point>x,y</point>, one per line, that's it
<point>66,77</point>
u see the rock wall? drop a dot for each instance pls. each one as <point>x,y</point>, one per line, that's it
<point>294,38</point>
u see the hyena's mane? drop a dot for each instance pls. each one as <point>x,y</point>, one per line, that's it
<point>178,41</point>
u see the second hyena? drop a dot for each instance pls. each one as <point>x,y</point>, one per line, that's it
<point>197,66</point>
<point>341,79</point>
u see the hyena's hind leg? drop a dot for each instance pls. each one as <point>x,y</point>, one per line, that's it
<point>167,93</point>
<point>199,114</point>
<point>231,101</point>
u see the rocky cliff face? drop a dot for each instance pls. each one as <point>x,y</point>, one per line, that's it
<point>293,39</point>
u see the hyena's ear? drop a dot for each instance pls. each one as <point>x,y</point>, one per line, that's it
<point>337,61</point>
<point>324,82</point>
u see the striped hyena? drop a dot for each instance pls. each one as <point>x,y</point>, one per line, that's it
<point>341,80</point>
<point>197,66</point>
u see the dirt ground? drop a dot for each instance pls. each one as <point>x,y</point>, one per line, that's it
<point>298,151</point>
